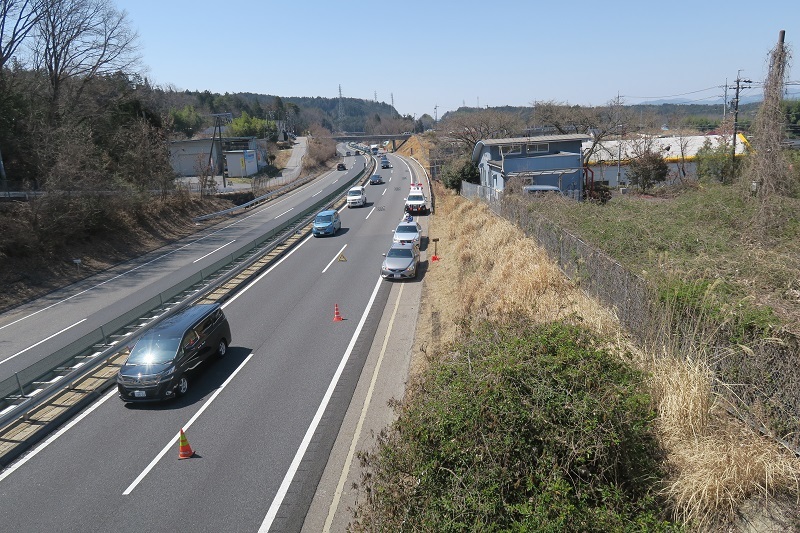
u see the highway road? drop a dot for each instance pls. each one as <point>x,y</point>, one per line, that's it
<point>33,331</point>
<point>261,421</point>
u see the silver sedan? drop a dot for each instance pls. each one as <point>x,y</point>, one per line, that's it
<point>402,261</point>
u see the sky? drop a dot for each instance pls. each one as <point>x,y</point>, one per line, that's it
<point>435,56</point>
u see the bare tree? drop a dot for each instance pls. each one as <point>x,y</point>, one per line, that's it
<point>17,19</point>
<point>467,128</point>
<point>602,122</point>
<point>79,40</point>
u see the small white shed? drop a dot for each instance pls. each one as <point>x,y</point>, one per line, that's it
<point>241,163</point>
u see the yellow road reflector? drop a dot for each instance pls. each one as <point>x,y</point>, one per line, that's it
<point>342,258</point>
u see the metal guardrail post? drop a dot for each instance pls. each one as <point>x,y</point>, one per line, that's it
<point>21,391</point>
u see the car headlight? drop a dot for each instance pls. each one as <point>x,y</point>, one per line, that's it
<point>410,268</point>
<point>166,373</point>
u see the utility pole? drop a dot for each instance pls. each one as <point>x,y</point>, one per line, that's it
<point>341,109</point>
<point>436,113</point>
<point>739,86</point>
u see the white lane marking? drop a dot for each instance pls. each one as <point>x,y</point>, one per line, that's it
<point>390,178</point>
<point>370,212</point>
<point>270,269</point>
<point>10,470</point>
<point>334,181</point>
<point>211,252</point>
<point>287,480</point>
<point>279,216</point>
<point>41,341</point>
<point>188,424</point>
<point>384,192</point>
<point>335,257</point>
<point>316,193</point>
<point>283,199</point>
<point>364,408</point>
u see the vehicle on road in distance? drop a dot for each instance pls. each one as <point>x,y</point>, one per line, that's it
<point>408,232</point>
<point>375,179</point>
<point>357,196</point>
<point>326,223</point>
<point>166,355</point>
<point>341,166</point>
<point>374,149</point>
<point>415,203</point>
<point>401,261</point>
<point>347,153</point>
<point>385,163</point>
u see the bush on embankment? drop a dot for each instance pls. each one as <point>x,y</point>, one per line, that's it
<point>520,427</point>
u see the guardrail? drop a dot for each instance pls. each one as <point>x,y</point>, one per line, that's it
<point>94,348</point>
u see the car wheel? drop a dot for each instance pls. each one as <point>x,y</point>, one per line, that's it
<point>183,386</point>
<point>222,349</point>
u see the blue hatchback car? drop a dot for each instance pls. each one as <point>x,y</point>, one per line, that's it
<point>326,223</point>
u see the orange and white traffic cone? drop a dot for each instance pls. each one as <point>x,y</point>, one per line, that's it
<point>336,316</point>
<point>184,450</point>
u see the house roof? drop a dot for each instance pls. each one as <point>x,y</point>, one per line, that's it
<point>578,137</point>
<point>536,139</point>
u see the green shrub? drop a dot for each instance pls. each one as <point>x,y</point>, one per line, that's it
<point>518,430</point>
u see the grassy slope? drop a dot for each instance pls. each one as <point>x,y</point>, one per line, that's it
<point>707,232</point>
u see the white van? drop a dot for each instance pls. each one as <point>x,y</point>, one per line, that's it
<point>357,196</point>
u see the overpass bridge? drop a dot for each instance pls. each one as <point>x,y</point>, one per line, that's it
<point>372,139</point>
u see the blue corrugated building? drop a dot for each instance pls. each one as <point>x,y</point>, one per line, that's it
<point>553,160</point>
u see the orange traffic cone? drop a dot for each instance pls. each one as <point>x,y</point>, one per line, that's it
<point>336,316</point>
<point>184,450</point>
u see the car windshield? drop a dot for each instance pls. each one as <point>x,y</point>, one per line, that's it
<point>406,229</point>
<point>154,350</point>
<point>324,219</point>
<point>400,252</point>
<point>353,193</point>
<point>416,198</point>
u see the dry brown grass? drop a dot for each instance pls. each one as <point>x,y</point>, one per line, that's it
<point>479,254</point>
<point>488,269</point>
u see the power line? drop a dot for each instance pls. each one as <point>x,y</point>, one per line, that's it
<point>672,95</point>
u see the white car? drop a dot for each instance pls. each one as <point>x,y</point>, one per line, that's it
<point>407,232</point>
<point>357,196</point>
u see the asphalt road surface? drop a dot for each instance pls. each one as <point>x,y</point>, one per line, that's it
<point>262,420</point>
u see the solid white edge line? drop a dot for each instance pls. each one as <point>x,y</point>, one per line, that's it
<point>270,269</point>
<point>188,424</point>
<point>9,358</point>
<point>287,480</point>
<point>337,494</point>
<point>335,257</point>
<point>56,435</point>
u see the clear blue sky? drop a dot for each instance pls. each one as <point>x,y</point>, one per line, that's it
<point>451,53</point>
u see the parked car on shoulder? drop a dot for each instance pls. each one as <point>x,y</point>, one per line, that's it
<point>168,354</point>
<point>326,223</point>
<point>407,232</point>
<point>356,196</point>
<point>402,261</point>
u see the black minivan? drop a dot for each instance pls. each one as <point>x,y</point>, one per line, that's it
<point>165,356</point>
